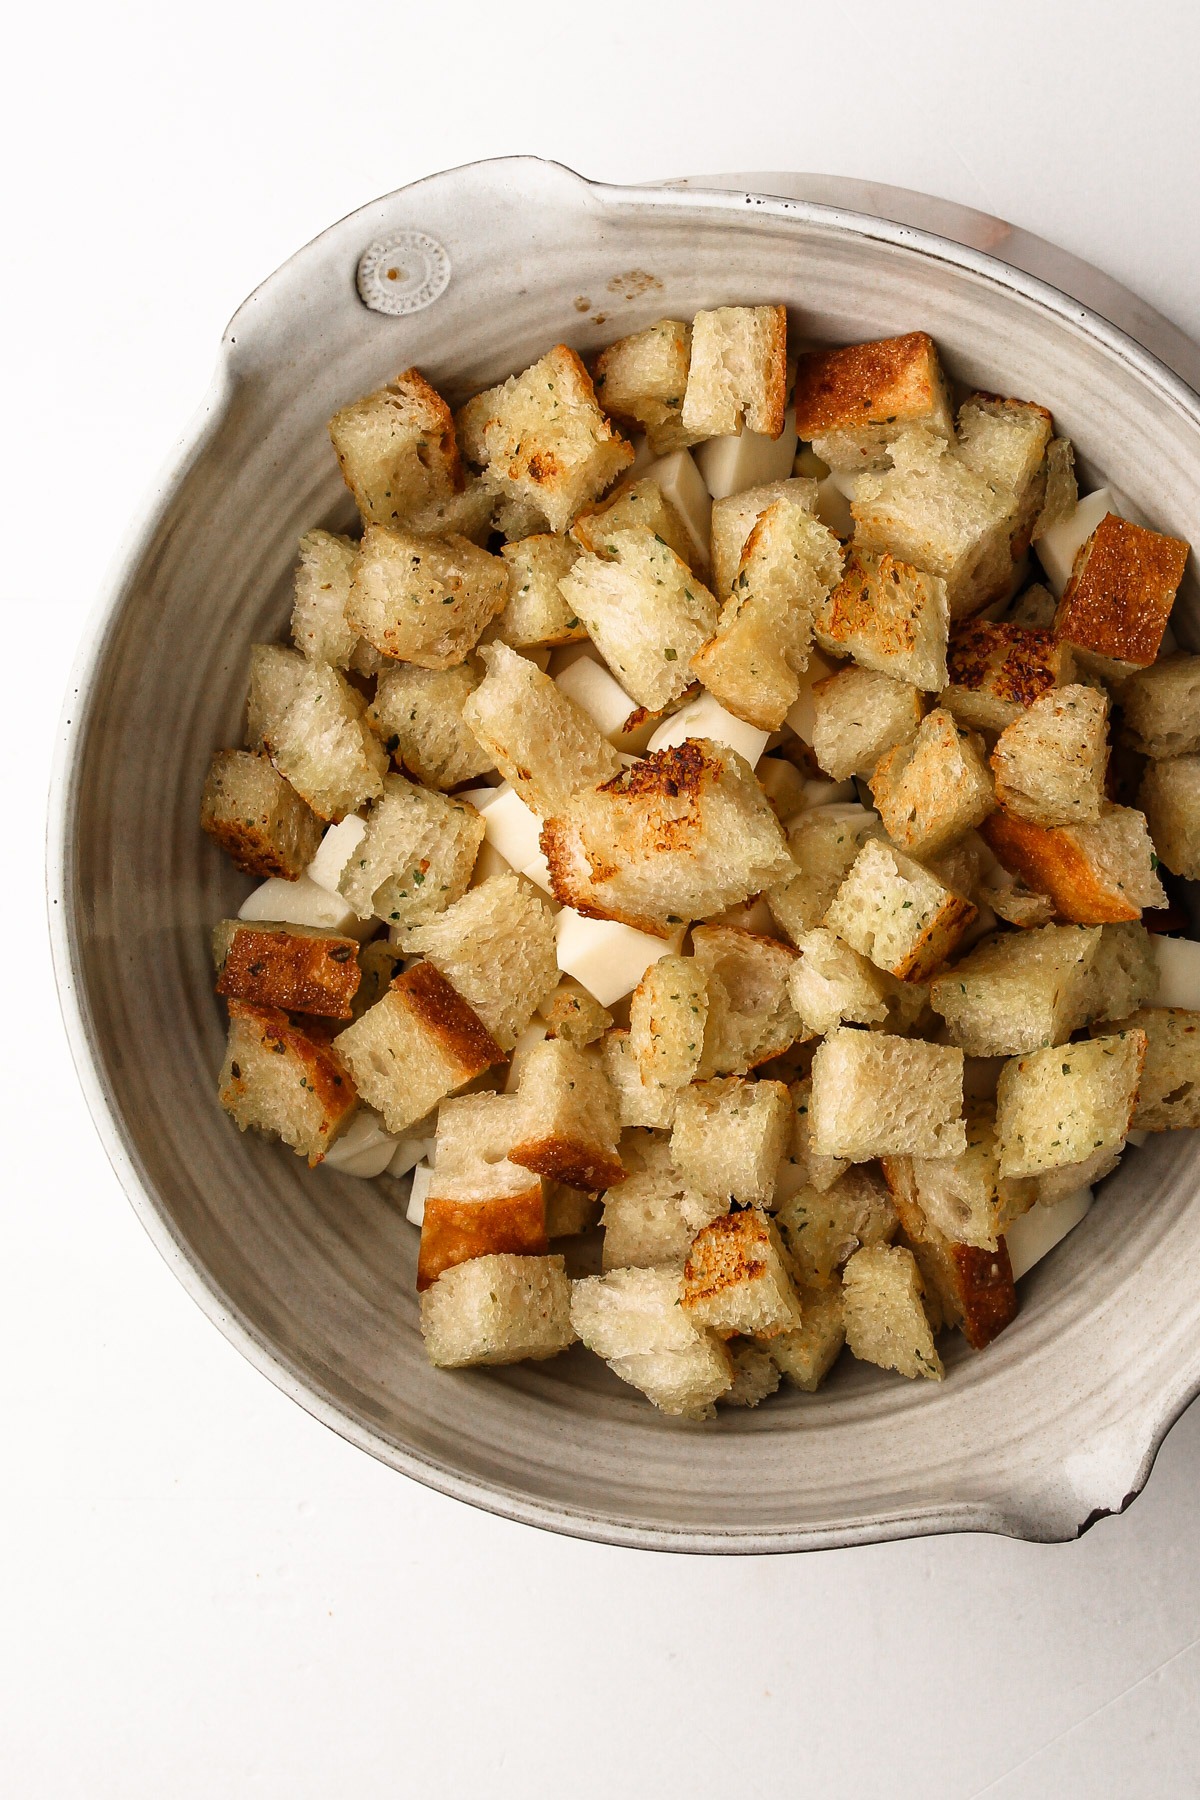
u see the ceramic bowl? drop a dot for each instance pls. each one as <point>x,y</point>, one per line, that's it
<point>312,1274</point>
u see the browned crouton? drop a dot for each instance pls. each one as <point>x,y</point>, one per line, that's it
<point>890,617</point>
<point>969,1286</point>
<point>736,1278</point>
<point>1121,591</point>
<point>641,380</point>
<point>738,372</point>
<point>632,506</point>
<point>1169,1092</point>
<point>569,1127</point>
<point>996,669</point>
<point>851,402</point>
<point>289,967</point>
<point>424,600</point>
<point>1050,763</point>
<point>279,1079</point>
<point>1170,795</point>
<point>257,817</point>
<point>536,612</point>
<point>886,1323</point>
<point>1095,874</point>
<point>397,451</point>
<point>466,1217</point>
<point>897,913</point>
<point>416,1045</point>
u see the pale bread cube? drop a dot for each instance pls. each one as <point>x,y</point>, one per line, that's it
<point>418,716</point>
<point>852,402</point>
<point>639,1102</point>
<point>1034,610</point>
<point>1122,588</point>
<point>257,817</point>
<point>1050,763</point>
<point>823,1228</point>
<point>802,1167</point>
<point>806,1355</point>
<point>323,578</point>
<point>886,1323</point>
<point>544,745</point>
<point>897,913</point>
<point>397,451</point>
<point>729,1137</point>
<point>498,1309</point>
<point>1018,991</point>
<point>634,1319</point>
<point>755,1374</point>
<point>934,788</point>
<point>997,668</point>
<point>1096,874</point>
<point>889,616</point>
<point>736,1277</point>
<point>667,1017</point>
<point>860,715</point>
<point>641,380</point>
<point>1161,707</point>
<point>966,1197</point>
<point>536,613</point>
<point>1006,441</point>
<point>1169,1092</point>
<point>415,857</point>
<point>1170,797</point>
<point>278,1079</point>
<point>831,983</point>
<point>750,1015</point>
<point>734,519</point>
<point>1059,1107</point>
<point>636,505</point>
<point>651,1219</point>
<point>1062,489</point>
<point>570,1126</point>
<point>418,1044</point>
<point>1125,973</point>
<point>738,372</point>
<point>310,721</point>
<point>644,610</point>
<point>878,1095</point>
<point>824,844</point>
<point>574,1015</point>
<point>964,1285</point>
<point>422,599</point>
<point>495,946</point>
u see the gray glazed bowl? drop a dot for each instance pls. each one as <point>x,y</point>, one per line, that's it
<point>312,1274</point>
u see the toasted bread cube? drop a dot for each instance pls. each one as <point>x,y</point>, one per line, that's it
<point>536,612</point>
<point>934,788</point>
<point>823,1229</point>
<point>416,856</point>
<point>474,1134</point>
<point>498,1309</point>
<point>878,1095</point>
<point>651,1219</point>
<point>997,669</point>
<point>641,380</point>
<point>574,1015</point>
<point>1018,991</point>
<point>644,610</point>
<point>886,1323</point>
<point>418,715</point>
<point>425,600</point>
<point>667,1017</point>
<point>397,450</point>
<point>323,578</point>
<point>750,1016</point>
<point>681,835</point>
<point>736,1278</point>
<point>1170,797</point>
<point>634,1319</point>
<point>738,372</point>
<point>764,634</point>
<point>378,964</point>
<point>545,746</point>
<point>860,715</point>
<point>288,967</point>
<point>805,1356</point>
<point>831,983</point>
<point>729,1138</point>
<point>934,512</point>
<point>282,1081</point>
<point>802,1167</point>
<point>1096,874</point>
<point>897,914</point>
<point>1169,1092</point>
<point>824,844</point>
<point>755,1374</point>
<point>540,437</point>
<point>1062,489</point>
<point>503,1214</point>
<point>735,516</point>
<point>1059,1106</point>
<point>570,1126</point>
<point>852,402</point>
<point>257,817</point>
<point>1121,591</point>
<point>569,1211</point>
<point>1125,972</point>
<point>635,506</point>
<point>1034,610</point>
<point>965,1197</point>
<point>416,1045</point>
<point>964,1285</point>
<point>888,616</point>
<point>1006,441</point>
<point>495,946</point>
<point>1161,707</point>
<point>309,720</point>
<point>1051,762</point>
<point>639,1102</point>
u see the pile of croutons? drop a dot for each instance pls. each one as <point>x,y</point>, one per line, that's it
<point>687,807</point>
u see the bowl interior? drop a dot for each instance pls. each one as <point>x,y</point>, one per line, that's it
<point>313,1273</point>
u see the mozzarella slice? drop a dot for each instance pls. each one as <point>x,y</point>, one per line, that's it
<point>755,915</point>
<point>489,862</point>
<point>335,850</point>
<point>833,508</point>
<point>1178,962</point>
<point>511,828</point>
<point>1035,1234</point>
<point>802,718</point>
<point>592,686</point>
<point>706,717</point>
<point>730,465</point>
<point>607,958</point>
<point>783,784</point>
<point>302,902</point>
<point>683,485</point>
<point>538,871</point>
<point>408,1153</point>
<point>422,1176</point>
<point>1056,550</point>
<point>364,1148</point>
<point>827,793</point>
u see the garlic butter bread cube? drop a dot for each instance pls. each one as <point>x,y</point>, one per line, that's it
<point>640,1102</point>
<point>1161,707</point>
<point>965,1197</point>
<point>651,1219</point>
<point>1006,442</point>
<point>996,669</point>
<point>575,1015</point>
<point>897,913</point>
<point>965,1286</point>
<point>860,715</point>
<point>1169,1091</point>
<point>737,376</point>
<point>1018,991</point>
<point>570,1128</point>
<point>288,967</point>
<point>878,1095</point>
<point>890,616</point>
<point>681,835</point>
<point>545,746</point>
<point>644,610</point>
<point>802,1167</point>
<point>257,817</point>
<point>851,403</point>
<point>635,505</point>
<point>736,1278</point>
<point>1124,974</point>
<point>422,599</point>
<point>536,613</point>
<point>764,634</point>
<point>1170,797</point>
<point>280,1079</point>
<point>418,716</point>
<point>540,437</point>
<point>641,380</point>
<point>823,1229</point>
<point>495,946</point>
<point>729,1137</point>
<point>323,581</point>
<point>498,1309</point>
<point>418,1044</point>
<point>1062,489</point>
<point>750,1016</point>
<point>310,721</point>
<point>667,1017</point>
<point>830,984</point>
<point>398,452</point>
<point>805,1356</point>
<point>885,1321</point>
<point>1050,763</point>
<point>823,844</point>
<point>934,788</point>
<point>1096,874</point>
<point>1059,1107</point>
<point>416,855</point>
<point>735,516</point>
<point>634,1319</point>
<point>756,1374</point>
<point>465,1218</point>
<point>1121,591</point>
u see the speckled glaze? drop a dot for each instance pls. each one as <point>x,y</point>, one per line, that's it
<point>311,1274</point>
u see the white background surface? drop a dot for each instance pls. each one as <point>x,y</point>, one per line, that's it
<point>203,1591</point>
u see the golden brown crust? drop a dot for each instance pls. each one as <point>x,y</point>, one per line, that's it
<point>327,1076</point>
<point>441,1009</point>
<point>937,940</point>
<point>576,1162</point>
<point>457,1231</point>
<point>1014,663</point>
<point>973,1288</point>
<point>1121,591</point>
<point>728,1253</point>
<point>855,606</point>
<point>774,408</point>
<point>439,424</point>
<point>248,844</point>
<point>866,384</point>
<point>1048,860</point>
<point>291,970</point>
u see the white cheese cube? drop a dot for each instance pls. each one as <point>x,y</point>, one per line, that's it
<point>846,482</point>
<point>1036,1232</point>
<point>364,1148</point>
<point>1178,962</point>
<point>335,850</point>
<point>730,465</point>
<point>802,719</point>
<point>607,958</point>
<point>1056,550</point>
<point>408,1153</point>
<point>592,686</point>
<point>643,456</point>
<point>783,784</point>
<point>1137,1137</point>
<point>302,902</point>
<point>489,862</point>
<point>509,826</point>
<point>538,871</point>
<point>683,485</point>
<point>753,915</point>
<point>422,1176</point>
<point>833,508</point>
<point>706,717</point>
<point>826,793</point>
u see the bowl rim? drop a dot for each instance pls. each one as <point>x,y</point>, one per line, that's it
<point>915,227</point>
